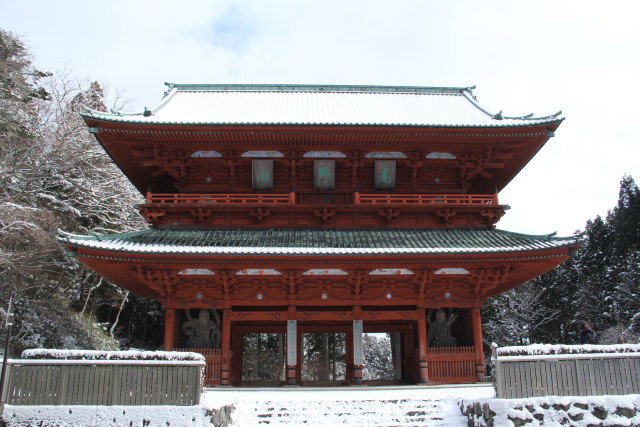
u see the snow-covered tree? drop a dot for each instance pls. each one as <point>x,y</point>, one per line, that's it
<point>53,175</point>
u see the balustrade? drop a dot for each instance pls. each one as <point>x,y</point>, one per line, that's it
<point>323,198</point>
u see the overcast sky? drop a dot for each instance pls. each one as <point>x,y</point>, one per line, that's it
<point>580,57</point>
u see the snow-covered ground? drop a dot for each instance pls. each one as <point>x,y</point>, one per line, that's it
<point>348,405</point>
<point>362,406</point>
<point>356,406</point>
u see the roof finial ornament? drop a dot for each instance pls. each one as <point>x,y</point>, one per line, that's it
<point>498,115</point>
<point>470,89</point>
<point>147,112</point>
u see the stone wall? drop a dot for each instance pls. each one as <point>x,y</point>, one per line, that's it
<point>541,411</point>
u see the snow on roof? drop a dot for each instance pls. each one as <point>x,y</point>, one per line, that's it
<point>320,105</point>
<point>318,242</point>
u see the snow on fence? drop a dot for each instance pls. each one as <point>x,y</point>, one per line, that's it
<point>566,370</point>
<point>99,379</point>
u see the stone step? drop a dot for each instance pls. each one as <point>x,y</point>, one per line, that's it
<point>405,412</point>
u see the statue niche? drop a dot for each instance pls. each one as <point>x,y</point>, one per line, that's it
<point>202,332</point>
<point>439,331</point>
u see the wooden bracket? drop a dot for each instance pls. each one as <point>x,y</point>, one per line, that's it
<point>446,214</point>
<point>152,215</point>
<point>324,213</point>
<point>388,214</point>
<point>259,214</point>
<point>201,214</point>
<point>161,281</point>
<point>492,215</point>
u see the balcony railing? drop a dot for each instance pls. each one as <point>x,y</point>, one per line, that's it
<point>290,199</point>
<point>222,199</point>
<point>426,199</point>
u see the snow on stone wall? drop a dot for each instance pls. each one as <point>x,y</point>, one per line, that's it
<point>554,411</point>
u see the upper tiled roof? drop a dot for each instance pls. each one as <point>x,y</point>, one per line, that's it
<point>320,105</point>
<point>318,241</point>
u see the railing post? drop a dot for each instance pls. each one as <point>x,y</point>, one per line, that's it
<point>356,197</point>
<point>292,198</point>
<point>148,197</point>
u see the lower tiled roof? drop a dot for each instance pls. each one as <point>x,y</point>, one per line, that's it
<point>318,241</point>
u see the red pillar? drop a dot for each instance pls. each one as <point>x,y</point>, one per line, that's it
<point>423,374</point>
<point>477,342</point>
<point>225,371</point>
<point>169,328</point>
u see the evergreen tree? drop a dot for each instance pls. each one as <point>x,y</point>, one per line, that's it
<point>601,285</point>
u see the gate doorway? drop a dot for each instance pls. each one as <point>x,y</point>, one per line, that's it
<point>263,358</point>
<point>258,355</point>
<point>383,358</point>
<point>324,358</point>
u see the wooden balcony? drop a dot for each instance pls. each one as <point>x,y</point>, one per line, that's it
<point>290,199</point>
<point>426,199</point>
<point>323,209</point>
<point>221,199</point>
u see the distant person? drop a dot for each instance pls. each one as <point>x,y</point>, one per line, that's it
<point>587,335</point>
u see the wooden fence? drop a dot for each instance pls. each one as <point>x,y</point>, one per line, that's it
<point>103,382</point>
<point>452,364</point>
<point>567,375</point>
<point>213,363</point>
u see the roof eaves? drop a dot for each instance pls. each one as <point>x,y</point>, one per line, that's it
<point>112,118</point>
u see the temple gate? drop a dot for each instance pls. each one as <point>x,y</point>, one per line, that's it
<point>285,220</point>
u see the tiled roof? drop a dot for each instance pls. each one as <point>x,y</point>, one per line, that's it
<point>318,241</point>
<point>320,105</point>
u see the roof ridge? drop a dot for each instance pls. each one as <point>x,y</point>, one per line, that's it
<point>221,87</point>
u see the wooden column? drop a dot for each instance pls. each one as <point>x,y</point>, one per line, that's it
<point>292,351</point>
<point>423,365</point>
<point>225,371</point>
<point>358,362</point>
<point>477,342</point>
<point>169,328</point>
